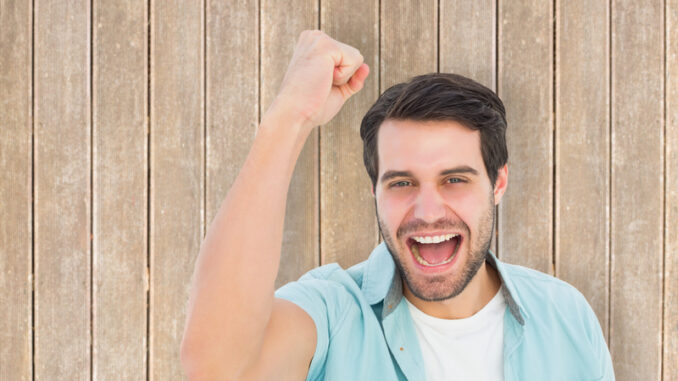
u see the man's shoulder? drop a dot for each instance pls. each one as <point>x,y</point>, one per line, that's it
<point>543,294</point>
<point>558,312</point>
<point>326,280</point>
<point>526,278</point>
<point>333,272</point>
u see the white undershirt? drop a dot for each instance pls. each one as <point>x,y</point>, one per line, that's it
<point>463,349</point>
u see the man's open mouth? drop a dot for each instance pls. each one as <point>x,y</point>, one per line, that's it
<point>432,251</point>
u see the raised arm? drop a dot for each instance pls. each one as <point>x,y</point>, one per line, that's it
<point>233,327</point>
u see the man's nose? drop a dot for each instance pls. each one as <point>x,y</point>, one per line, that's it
<point>429,205</point>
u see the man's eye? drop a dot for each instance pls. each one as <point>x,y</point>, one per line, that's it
<point>455,180</point>
<point>400,184</point>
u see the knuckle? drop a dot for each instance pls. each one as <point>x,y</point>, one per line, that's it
<point>325,45</point>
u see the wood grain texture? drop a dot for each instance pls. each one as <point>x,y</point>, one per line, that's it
<point>670,349</point>
<point>637,188</point>
<point>525,84</point>
<point>177,173</point>
<point>348,224</point>
<point>582,150</point>
<point>281,25</point>
<point>409,40</point>
<point>467,39</point>
<point>468,45</point>
<point>15,190</point>
<point>120,196</point>
<point>232,87</point>
<point>62,190</point>
<point>198,143</point>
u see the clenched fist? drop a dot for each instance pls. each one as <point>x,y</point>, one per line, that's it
<point>321,76</point>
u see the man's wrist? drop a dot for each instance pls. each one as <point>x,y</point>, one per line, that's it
<point>281,115</point>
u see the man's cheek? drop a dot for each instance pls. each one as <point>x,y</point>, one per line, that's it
<point>470,211</point>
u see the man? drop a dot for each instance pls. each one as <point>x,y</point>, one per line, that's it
<point>431,302</point>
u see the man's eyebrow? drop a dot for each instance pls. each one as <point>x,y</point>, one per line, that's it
<point>459,169</point>
<point>451,171</point>
<point>391,174</point>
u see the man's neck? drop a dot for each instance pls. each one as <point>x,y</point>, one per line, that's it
<point>480,290</point>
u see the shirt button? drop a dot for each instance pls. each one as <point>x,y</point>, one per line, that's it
<point>401,348</point>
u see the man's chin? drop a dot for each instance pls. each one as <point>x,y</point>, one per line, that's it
<point>428,285</point>
<point>442,285</point>
<point>431,288</point>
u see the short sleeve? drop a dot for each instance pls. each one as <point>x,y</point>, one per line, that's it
<point>311,296</point>
<point>595,336</point>
<point>600,346</point>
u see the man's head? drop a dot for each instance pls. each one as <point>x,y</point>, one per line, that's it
<point>435,150</point>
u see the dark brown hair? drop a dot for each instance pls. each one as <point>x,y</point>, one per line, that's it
<point>435,97</point>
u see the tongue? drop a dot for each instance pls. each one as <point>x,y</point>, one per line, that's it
<point>434,253</point>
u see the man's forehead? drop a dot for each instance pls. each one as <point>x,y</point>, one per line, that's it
<point>405,145</point>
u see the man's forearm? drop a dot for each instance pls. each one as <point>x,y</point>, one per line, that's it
<point>233,284</point>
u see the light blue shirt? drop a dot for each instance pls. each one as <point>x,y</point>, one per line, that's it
<point>365,331</point>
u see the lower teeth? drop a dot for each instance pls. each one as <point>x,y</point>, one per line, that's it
<point>422,261</point>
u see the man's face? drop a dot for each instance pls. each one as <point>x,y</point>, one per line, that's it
<point>435,204</point>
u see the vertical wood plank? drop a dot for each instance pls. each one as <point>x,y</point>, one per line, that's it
<point>177,173</point>
<point>120,103</point>
<point>468,45</point>
<point>582,150</point>
<point>409,40</point>
<point>232,85</point>
<point>62,190</point>
<point>670,360</point>
<point>281,24</point>
<point>467,39</point>
<point>525,84</point>
<point>15,190</point>
<point>348,222</point>
<point>637,188</point>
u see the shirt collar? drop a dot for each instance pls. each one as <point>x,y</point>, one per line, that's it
<point>381,281</point>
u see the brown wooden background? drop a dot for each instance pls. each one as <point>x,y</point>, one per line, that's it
<point>123,124</point>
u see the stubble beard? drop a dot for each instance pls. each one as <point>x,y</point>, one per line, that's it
<point>441,287</point>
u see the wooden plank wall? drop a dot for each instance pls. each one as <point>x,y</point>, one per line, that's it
<point>16,224</point>
<point>636,234</point>
<point>123,125</point>
<point>525,85</point>
<point>120,191</point>
<point>177,173</point>
<point>670,322</point>
<point>582,151</point>
<point>62,194</point>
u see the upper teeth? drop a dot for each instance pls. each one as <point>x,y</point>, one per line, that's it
<point>434,239</point>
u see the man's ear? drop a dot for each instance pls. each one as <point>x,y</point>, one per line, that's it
<point>500,184</point>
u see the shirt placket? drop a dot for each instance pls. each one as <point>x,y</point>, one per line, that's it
<point>402,342</point>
